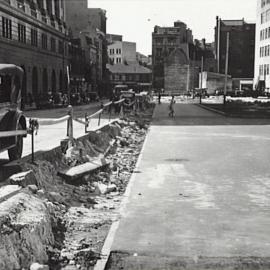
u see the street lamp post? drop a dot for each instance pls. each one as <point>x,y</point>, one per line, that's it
<point>226,69</point>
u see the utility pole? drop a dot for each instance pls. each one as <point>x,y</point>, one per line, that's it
<point>226,68</point>
<point>218,44</point>
<point>188,75</point>
<point>201,84</point>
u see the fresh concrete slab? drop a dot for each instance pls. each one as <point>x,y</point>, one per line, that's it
<point>203,192</point>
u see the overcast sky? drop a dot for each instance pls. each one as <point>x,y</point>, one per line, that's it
<point>135,19</point>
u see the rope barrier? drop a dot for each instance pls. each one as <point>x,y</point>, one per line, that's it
<point>48,121</point>
<point>119,101</point>
<point>94,114</point>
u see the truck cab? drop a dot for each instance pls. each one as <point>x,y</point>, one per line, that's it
<point>12,121</point>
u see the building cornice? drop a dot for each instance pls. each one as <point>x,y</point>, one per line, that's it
<point>30,20</point>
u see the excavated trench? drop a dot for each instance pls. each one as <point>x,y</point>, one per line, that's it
<point>57,222</point>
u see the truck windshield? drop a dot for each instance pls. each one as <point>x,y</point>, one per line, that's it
<point>5,88</point>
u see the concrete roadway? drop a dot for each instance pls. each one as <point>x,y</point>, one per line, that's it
<point>200,197</point>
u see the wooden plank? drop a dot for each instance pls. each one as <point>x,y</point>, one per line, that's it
<point>12,133</point>
<point>83,169</point>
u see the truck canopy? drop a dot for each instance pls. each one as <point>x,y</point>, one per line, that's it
<point>10,69</point>
<point>10,83</point>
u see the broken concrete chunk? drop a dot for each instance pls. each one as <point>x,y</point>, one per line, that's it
<point>104,189</point>
<point>23,179</point>
<point>37,266</point>
<point>33,188</point>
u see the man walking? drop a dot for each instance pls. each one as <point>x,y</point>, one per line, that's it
<point>171,107</point>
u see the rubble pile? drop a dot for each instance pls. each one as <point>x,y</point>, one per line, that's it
<point>87,228</point>
<point>47,222</point>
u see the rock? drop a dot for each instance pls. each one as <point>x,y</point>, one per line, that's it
<point>104,189</point>
<point>40,192</point>
<point>37,266</point>
<point>23,179</point>
<point>100,188</point>
<point>33,188</point>
<point>55,197</point>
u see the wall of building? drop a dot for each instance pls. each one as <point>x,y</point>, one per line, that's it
<point>115,51</point>
<point>45,67</point>
<point>129,51</point>
<point>241,50</point>
<point>164,41</point>
<point>262,50</point>
<point>213,82</point>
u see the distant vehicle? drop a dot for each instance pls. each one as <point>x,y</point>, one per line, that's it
<point>120,87</point>
<point>11,116</point>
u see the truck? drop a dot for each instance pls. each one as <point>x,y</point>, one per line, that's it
<point>13,126</point>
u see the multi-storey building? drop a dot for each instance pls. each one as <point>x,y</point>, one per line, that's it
<point>89,26</point>
<point>165,40</point>
<point>122,52</point>
<point>241,47</point>
<point>262,48</point>
<point>33,36</point>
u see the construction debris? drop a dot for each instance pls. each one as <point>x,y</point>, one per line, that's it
<point>60,224</point>
<point>23,179</point>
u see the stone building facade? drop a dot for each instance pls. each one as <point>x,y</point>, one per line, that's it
<point>33,36</point>
<point>181,74</point>
<point>164,41</point>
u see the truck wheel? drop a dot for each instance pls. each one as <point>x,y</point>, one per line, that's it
<point>16,152</point>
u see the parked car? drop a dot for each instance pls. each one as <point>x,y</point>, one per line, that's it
<point>11,116</point>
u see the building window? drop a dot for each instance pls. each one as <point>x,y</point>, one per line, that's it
<point>60,47</point>
<point>6,28</point>
<point>158,52</point>
<point>53,44</point>
<point>118,60</point>
<point>34,37</point>
<point>21,33</point>
<point>44,41</point>
<point>20,5</point>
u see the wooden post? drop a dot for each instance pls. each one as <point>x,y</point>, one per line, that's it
<point>70,123</point>
<point>226,68</point>
<point>86,122</point>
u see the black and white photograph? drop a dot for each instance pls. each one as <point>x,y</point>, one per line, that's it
<point>134,135</point>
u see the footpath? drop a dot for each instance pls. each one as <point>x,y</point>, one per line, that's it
<point>200,197</point>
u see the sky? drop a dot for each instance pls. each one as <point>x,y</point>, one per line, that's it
<point>135,19</point>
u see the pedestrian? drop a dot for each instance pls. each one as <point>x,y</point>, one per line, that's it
<point>171,107</point>
<point>159,97</point>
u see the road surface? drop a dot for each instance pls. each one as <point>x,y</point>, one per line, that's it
<point>200,197</point>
